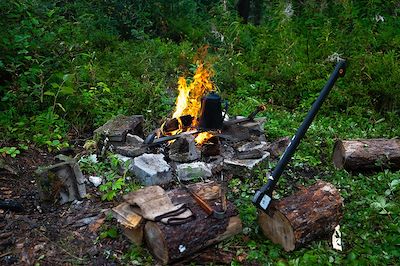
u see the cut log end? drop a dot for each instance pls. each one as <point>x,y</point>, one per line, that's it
<point>155,241</point>
<point>339,155</point>
<point>277,228</point>
<point>308,215</point>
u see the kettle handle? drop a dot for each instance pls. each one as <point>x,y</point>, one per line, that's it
<point>226,110</point>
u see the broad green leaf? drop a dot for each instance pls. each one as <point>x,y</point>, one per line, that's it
<point>67,90</point>
<point>394,183</point>
<point>67,77</point>
<point>49,93</point>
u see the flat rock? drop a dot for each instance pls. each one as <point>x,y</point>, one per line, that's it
<point>68,173</point>
<point>118,127</point>
<point>251,150</point>
<point>244,167</point>
<point>151,169</point>
<point>134,140</point>
<point>256,127</point>
<point>190,171</point>
<point>258,145</point>
<point>130,150</point>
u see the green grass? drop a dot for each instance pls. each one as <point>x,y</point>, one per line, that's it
<point>371,223</point>
<point>68,67</point>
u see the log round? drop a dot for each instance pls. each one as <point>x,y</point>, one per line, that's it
<point>169,243</point>
<point>310,214</point>
<point>367,154</point>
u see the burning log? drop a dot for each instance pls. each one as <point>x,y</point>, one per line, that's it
<point>211,147</point>
<point>173,124</point>
<point>367,154</point>
<point>310,214</point>
<point>170,243</point>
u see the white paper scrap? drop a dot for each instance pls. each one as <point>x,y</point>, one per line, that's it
<point>337,239</point>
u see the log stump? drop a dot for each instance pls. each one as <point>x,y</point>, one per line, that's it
<point>169,243</point>
<point>367,154</point>
<point>310,214</point>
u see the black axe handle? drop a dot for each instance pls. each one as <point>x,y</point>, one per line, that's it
<point>263,196</point>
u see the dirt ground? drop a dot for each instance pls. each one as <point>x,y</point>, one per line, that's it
<point>51,234</point>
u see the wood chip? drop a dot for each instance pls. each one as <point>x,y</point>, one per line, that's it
<point>126,216</point>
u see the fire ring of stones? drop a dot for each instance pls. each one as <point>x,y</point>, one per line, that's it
<point>236,149</point>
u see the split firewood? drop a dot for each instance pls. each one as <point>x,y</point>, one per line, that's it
<point>132,223</point>
<point>367,154</point>
<point>308,215</point>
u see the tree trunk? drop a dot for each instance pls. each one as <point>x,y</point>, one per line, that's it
<point>243,7</point>
<point>308,215</point>
<point>367,154</point>
<point>171,242</point>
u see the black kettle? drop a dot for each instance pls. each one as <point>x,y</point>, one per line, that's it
<point>211,117</point>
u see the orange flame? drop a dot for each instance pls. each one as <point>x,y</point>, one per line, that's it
<point>203,137</point>
<point>188,101</point>
<point>189,98</point>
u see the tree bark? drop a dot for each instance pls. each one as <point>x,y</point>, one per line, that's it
<point>172,242</point>
<point>367,154</point>
<point>243,7</point>
<point>308,215</point>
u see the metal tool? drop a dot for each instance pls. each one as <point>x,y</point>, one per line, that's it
<point>251,117</point>
<point>205,206</point>
<point>263,196</point>
<point>150,138</point>
<point>152,141</point>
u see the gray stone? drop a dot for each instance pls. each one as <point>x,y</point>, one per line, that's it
<point>151,169</point>
<point>118,127</point>
<point>251,150</point>
<point>134,140</point>
<point>130,150</point>
<point>68,174</point>
<point>256,127</point>
<point>189,171</point>
<point>244,167</point>
<point>184,150</point>
<point>277,147</point>
<point>259,145</point>
<point>235,133</point>
<point>95,180</point>
<point>250,154</point>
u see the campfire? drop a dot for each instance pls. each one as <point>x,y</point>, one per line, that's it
<point>198,142</point>
<point>188,105</point>
<point>198,136</point>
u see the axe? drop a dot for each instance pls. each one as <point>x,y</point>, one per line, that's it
<point>263,196</point>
